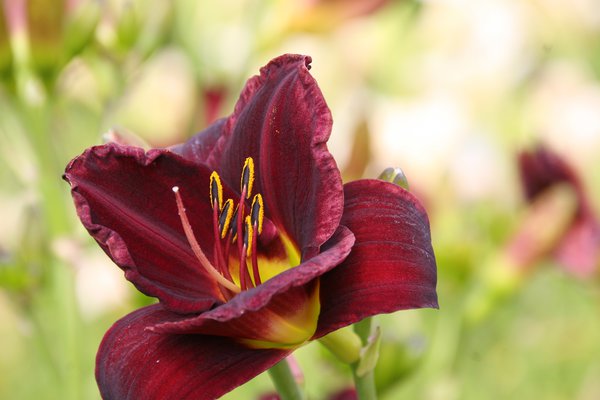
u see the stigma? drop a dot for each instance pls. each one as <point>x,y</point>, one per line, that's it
<point>237,224</point>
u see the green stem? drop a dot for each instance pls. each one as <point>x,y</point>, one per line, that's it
<point>284,381</point>
<point>365,384</point>
<point>363,329</point>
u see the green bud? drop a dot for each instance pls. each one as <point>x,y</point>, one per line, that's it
<point>45,19</point>
<point>5,51</point>
<point>128,24</point>
<point>395,176</point>
<point>344,344</point>
<point>80,26</point>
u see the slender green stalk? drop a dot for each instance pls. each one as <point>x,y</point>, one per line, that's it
<point>285,382</point>
<point>54,223</point>
<point>364,384</point>
<point>363,329</point>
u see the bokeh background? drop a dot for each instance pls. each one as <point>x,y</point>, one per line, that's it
<point>451,91</point>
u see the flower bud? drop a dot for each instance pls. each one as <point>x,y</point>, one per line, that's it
<point>45,19</point>
<point>43,35</point>
<point>344,344</point>
<point>124,137</point>
<point>395,176</point>
<point>82,19</point>
<point>5,51</point>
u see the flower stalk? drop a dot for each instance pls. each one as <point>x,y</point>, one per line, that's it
<point>285,382</point>
<point>364,382</point>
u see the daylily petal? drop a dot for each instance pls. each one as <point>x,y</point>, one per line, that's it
<point>282,121</point>
<point>256,313</point>
<point>202,146</point>
<point>579,248</point>
<point>579,251</point>
<point>125,200</point>
<point>391,266</point>
<point>134,363</point>
<point>542,168</point>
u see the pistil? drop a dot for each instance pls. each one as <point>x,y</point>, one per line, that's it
<point>247,181</point>
<point>241,252</point>
<point>189,234</point>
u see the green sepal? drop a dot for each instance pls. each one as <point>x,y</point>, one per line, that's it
<point>369,354</point>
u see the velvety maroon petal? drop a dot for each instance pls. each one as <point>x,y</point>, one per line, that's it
<point>125,200</point>
<point>202,148</point>
<point>282,121</point>
<point>134,363</point>
<point>244,316</point>
<point>391,266</point>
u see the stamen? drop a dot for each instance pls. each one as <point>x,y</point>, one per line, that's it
<point>246,248</point>
<point>258,212</point>
<point>218,249</point>
<point>189,234</point>
<point>234,224</point>
<point>247,177</point>
<point>248,235</point>
<point>225,218</point>
<point>250,240</point>
<point>245,280</point>
<point>226,251</point>
<point>216,190</point>
<point>243,269</point>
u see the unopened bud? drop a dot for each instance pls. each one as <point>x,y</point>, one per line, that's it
<point>80,25</point>
<point>395,176</point>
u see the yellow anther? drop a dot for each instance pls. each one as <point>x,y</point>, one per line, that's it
<point>216,190</point>
<point>248,235</point>
<point>233,224</point>
<point>225,218</point>
<point>258,212</point>
<point>247,176</point>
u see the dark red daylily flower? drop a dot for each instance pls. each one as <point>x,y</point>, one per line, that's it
<point>248,239</point>
<point>579,247</point>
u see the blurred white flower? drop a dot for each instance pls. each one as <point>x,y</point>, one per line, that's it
<point>100,287</point>
<point>479,47</point>
<point>420,136</point>
<point>480,172</point>
<point>166,82</point>
<point>576,13</point>
<point>99,283</point>
<point>565,111</point>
